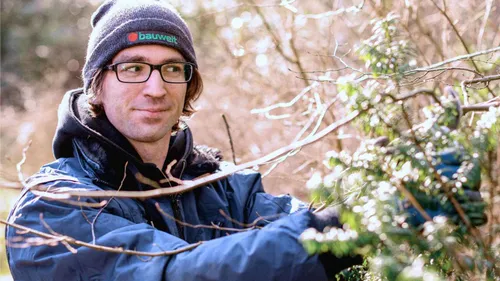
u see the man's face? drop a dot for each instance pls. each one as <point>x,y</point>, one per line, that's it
<point>143,112</point>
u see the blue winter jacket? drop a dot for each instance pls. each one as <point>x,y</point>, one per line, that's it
<point>92,155</point>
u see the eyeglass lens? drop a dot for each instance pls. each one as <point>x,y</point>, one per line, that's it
<point>140,72</point>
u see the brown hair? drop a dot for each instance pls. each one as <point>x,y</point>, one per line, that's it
<point>194,89</point>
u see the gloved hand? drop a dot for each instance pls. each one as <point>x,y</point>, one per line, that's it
<point>326,217</point>
<point>332,264</point>
<point>450,164</point>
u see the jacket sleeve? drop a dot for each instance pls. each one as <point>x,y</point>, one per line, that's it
<point>257,203</point>
<point>271,253</point>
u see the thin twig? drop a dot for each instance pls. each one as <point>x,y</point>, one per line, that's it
<point>83,204</point>
<point>415,93</point>
<point>65,243</point>
<point>92,225</point>
<point>296,59</point>
<point>443,12</point>
<point>479,107</point>
<point>323,110</point>
<point>455,59</point>
<point>320,208</point>
<point>213,226</point>
<point>428,34</point>
<point>20,165</point>
<point>482,79</point>
<point>303,166</point>
<point>489,4</point>
<point>118,250</point>
<point>276,40</point>
<point>450,69</point>
<point>400,186</point>
<point>285,104</point>
<point>353,9</point>
<point>11,185</point>
<point>311,204</point>
<point>170,177</point>
<point>296,53</point>
<point>144,180</point>
<point>485,79</point>
<point>252,224</point>
<point>190,185</point>
<point>228,129</point>
<point>434,67</point>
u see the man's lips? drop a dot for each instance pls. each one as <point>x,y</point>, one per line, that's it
<point>152,112</point>
<point>152,109</point>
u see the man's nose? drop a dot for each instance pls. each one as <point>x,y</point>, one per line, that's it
<point>155,86</point>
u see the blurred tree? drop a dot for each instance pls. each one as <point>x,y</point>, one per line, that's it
<point>43,45</point>
<point>297,66</point>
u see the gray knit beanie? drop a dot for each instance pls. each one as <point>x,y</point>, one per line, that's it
<point>119,24</point>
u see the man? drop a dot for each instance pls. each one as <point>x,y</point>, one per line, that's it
<point>122,132</point>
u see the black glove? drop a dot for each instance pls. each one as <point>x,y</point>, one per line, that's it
<point>332,264</point>
<point>449,163</point>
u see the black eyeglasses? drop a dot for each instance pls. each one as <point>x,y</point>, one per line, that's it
<point>139,72</point>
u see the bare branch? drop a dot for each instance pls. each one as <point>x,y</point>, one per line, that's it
<point>489,4</point>
<point>450,69</point>
<point>486,80</point>
<point>285,104</point>
<point>297,55</point>
<point>428,34</point>
<point>353,9</point>
<point>435,67</point>
<point>83,204</point>
<point>230,138</point>
<point>170,177</point>
<point>190,185</point>
<point>321,111</point>
<point>483,79</point>
<point>415,93</point>
<point>479,107</point>
<point>10,184</point>
<point>276,40</point>
<point>65,243</point>
<point>20,165</point>
<point>455,59</point>
<point>92,225</point>
<point>249,225</point>
<point>453,26</point>
<point>213,226</point>
<point>72,241</point>
<point>144,180</point>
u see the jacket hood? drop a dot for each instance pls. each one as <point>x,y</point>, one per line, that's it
<point>106,150</point>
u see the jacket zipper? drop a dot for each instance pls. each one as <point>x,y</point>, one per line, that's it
<point>176,202</point>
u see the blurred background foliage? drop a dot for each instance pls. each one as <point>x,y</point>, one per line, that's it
<point>252,56</point>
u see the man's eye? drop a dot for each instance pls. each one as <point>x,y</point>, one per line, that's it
<point>173,68</point>
<point>131,68</point>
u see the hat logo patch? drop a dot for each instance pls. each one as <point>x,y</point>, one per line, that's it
<point>141,36</point>
<point>132,37</point>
